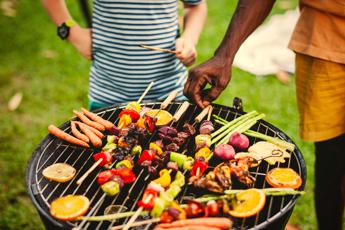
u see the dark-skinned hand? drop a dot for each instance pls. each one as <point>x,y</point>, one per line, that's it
<point>215,72</point>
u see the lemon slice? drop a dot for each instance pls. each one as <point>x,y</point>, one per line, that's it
<point>248,203</point>
<point>59,172</point>
<point>283,178</point>
<point>163,117</point>
<point>69,207</point>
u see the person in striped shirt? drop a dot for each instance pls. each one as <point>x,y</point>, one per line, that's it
<point>121,69</point>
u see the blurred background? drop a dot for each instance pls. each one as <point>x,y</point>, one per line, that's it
<point>43,78</point>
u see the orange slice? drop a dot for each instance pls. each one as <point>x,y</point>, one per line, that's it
<point>163,117</point>
<point>248,203</point>
<point>59,172</point>
<point>283,178</point>
<point>69,207</point>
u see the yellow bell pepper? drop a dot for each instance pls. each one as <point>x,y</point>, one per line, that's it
<point>203,152</point>
<point>141,123</point>
<point>164,178</point>
<point>158,149</point>
<point>125,120</point>
<point>134,105</point>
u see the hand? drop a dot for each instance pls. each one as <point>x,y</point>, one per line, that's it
<point>81,39</point>
<point>216,72</point>
<point>186,51</point>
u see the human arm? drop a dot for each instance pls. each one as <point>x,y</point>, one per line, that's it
<point>79,37</point>
<point>249,14</point>
<point>194,20</point>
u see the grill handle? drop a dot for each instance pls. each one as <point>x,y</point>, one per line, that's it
<point>169,99</point>
<point>181,110</point>
<point>203,113</point>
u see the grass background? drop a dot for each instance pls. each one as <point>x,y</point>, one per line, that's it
<point>54,79</point>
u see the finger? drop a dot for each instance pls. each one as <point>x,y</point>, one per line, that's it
<point>189,61</point>
<point>179,46</point>
<point>195,89</point>
<point>212,94</point>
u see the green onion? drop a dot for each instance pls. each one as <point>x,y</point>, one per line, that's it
<point>111,217</point>
<point>273,140</point>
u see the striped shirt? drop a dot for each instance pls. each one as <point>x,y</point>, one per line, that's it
<point>121,69</point>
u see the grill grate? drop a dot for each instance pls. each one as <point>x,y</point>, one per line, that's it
<point>53,150</point>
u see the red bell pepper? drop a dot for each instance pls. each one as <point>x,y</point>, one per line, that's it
<point>146,155</point>
<point>149,124</point>
<point>104,176</point>
<point>132,113</point>
<point>199,167</point>
<point>105,156</point>
<point>126,174</point>
<point>147,202</point>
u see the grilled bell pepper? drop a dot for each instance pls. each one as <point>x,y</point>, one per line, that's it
<point>124,121</point>
<point>164,178</point>
<point>155,147</point>
<point>203,139</point>
<point>203,152</point>
<point>178,158</point>
<point>182,215</point>
<point>141,123</point>
<point>111,139</point>
<point>146,155</point>
<point>134,115</point>
<point>111,188</point>
<point>188,164</point>
<point>126,174</point>
<point>136,150</point>
<point>109,147</point>
<point>134,106</point>
<point>104,177</point>
<point>166,197</point>
<point>199,167</point>
<point>122,143</point>
<point>105,156</point>
<point>149,124</point>
<point>124,164</point>
<point>179,179</point>
<point>173,190</point>
<point>158,208</point>
<point>147,202</point>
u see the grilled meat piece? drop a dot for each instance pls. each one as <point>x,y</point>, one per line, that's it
<point>189,129</point>
<point>179,141</point>
<point>168,130</point>
<point>172,147</point>
<point>173,166</point>
<point>206,127</point>
<point>223,175</point>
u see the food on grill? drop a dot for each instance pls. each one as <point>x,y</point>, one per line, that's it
<point>206,127</point>
<point>69,207</point>
<point>239,141</point>
<point>59,172</point>
<point>269,152</point>
<point>203,140</point>
<point>87,121</point>
<point>247,203</point>
<point>198,223</point>
<point>274,140</point>
<point>107,124</point>
<point>65,136</point>
<point>224,152</point>
<point>251,155</point>
<point>94,139</point>
<point>134,106</point>
<point>104,157</point>
<point>95,131</point>
<point>78,134</point>
<point>162,117</point>
<point>283,178</point>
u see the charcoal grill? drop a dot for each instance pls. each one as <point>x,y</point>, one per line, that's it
<point>51,150</point>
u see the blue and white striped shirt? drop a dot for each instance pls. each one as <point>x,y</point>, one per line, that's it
<point>121,69</point>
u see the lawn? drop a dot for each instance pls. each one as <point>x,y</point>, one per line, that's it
<point>54,79</point>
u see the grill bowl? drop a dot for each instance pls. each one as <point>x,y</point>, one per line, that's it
<point>51,150</point>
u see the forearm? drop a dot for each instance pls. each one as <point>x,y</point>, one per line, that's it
<point>248,15</point>
<point>194,20</point>
<point>57,10</point>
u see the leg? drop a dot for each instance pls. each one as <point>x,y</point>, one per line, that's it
<point>329,183</point>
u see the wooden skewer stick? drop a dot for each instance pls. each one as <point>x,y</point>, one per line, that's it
<point>209,112</point>
<point>145,92</point>
<point>87,173</point>
<point>139,223</point>
<point>158,49</point>
<point>138,212</point>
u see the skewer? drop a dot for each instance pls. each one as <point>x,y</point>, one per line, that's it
<point>138,212</point>
<point>158,49</point>
<point>136,224</point>
<point>94,166</point>
<point>179,113</point>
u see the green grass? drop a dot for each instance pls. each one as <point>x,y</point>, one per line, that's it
<point>52,87</point>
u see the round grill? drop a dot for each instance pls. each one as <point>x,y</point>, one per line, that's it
<point>53,150</point>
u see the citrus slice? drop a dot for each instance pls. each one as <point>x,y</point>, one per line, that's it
<point>163,117</point>
<point>248,203</point>
<point>69,207</point>
<point>59,172</point>
<point>283,178</point>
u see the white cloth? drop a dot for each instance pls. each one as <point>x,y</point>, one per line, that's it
<point>265,51</point>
